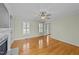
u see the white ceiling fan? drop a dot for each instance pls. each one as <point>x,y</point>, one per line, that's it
<point>43,16</point>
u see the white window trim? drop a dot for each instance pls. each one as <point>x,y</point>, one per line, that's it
<point>26,28</point>
<point>41,27</point>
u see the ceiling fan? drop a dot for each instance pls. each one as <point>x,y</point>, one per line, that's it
<point>44,15</point>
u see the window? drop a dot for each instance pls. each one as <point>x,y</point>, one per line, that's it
<point>41,27</point>
<point>48,28</point>
<point>26,28</point>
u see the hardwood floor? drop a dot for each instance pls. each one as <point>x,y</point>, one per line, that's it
<point>44,45</point>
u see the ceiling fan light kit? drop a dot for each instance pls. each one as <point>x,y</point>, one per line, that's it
<point>44,16</point>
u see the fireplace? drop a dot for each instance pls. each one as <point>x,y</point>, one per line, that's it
<point>3,46</point>
<point>5,40</point>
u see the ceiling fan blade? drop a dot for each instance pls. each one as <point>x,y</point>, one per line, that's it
<point>48,14</point>
<point>49,18</point>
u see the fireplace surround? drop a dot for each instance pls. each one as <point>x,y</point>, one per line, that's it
<point>5,40</point>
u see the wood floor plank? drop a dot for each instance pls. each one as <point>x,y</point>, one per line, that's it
<point>53,47</point>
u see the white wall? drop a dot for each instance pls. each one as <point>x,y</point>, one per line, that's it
<point>17,28</point>
<point>4,17</point>
<point>34,29</point>
<point>66,29</point>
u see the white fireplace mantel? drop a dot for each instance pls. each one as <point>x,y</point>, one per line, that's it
<point>5,32</point>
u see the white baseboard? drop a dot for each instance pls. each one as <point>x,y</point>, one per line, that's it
<point>72,43</point>
<point>26,37</point>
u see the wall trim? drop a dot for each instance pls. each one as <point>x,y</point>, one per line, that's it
<point>71,43</point>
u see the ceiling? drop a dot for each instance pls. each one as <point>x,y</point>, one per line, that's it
<point>31,11</point>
